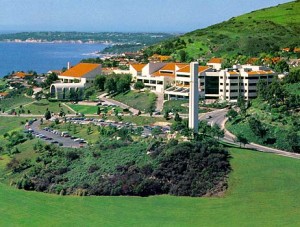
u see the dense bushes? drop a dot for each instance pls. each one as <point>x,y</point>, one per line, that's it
<point>187,169</point>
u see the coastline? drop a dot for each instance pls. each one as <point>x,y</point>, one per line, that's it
<point>57,41</point>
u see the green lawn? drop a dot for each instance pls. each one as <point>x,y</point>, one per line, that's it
<point>92,109</point>
<point>40,107</point>
<point>180,106</point>
<point>11,103</point>
<point>263,191</point>
<point>140,120</point>
<point>143,101</point>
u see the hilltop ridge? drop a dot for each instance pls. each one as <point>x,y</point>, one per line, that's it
<point>265,30</point>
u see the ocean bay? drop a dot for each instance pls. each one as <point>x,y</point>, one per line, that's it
<point>42,57</point>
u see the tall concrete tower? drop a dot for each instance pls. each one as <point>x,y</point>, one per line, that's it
<point>194,97</point>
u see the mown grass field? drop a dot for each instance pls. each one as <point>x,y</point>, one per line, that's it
<point>263,191</point>
<point>143,101</point>
<point>40,107</point>
<point>84,109</point>
<point>13,103</point>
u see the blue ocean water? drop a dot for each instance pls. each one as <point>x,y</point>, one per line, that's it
<point>42,57</point>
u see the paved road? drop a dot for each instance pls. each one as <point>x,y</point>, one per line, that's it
<point>120,104</point>
<point>219,117</point>
<point>66,141</point>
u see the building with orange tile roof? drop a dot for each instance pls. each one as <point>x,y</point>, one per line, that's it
<point>215,63</point>
<point>77,77</point>
<point>225,85</point>
<point>173,79</point>
<point>136,70</point>
<point>157,76</point>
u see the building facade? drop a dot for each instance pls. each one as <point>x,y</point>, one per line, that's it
<point>75,79</point>
<point>173,79</point>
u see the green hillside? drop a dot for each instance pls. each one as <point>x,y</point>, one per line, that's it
<point>263,191</point>
<point>266,30</point>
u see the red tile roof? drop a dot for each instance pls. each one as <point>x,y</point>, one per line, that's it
<point>186,69</point>
<point>80,70</point>
<point>216,61</point>
<point>138,67</point>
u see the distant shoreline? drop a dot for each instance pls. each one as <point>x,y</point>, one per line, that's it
<point>57,42</point>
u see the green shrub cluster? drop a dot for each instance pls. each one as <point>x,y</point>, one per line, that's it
<point>118,167</point>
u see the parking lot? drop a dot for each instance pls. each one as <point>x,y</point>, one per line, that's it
<point>65,140</point>
<point>54,136</point>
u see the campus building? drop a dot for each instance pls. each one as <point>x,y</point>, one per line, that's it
<point>173,79</point>
<point>75,79</point>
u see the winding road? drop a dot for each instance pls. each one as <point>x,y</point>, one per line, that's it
<point>219,117</point>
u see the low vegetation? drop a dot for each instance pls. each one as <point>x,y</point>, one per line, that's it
<point>14,102</point>
<point>40,107</point>
<point>273,118</point>
<point>125,167</point>
<point>252,192</point>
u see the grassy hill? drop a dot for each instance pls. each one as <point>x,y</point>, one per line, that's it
<point>262,192</point>
<point>266,30</point>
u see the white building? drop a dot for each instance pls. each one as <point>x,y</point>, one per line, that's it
<point>215,63</point>
<point>173,79</point>
<point>75,78</point>
<point>158,76</point>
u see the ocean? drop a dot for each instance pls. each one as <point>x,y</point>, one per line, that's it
<point>42,57</point>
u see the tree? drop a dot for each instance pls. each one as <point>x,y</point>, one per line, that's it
<point>100,82</point>
<point>139,85</point>
<point>166,115</point>
<point>47,115</point>
<point>293,77</point>
<point>262,89</point>
<point>177,118</point>
<point>257,128</point>
<point>282,66</point>
<point>98,110</point>
<point>50,79</point>
<point>29,92</point>
<point>231,114</point>
<point>241,104</point>
<point>110,85</point>
<point>89,130</point>
<point>241,139</point>
<point>183,56</point>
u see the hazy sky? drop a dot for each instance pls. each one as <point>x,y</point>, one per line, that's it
<point>121,15</point>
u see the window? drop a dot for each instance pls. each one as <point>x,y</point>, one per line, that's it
<point>221,77</point>
<point>234,84</point>
<point>221,83</point>
<point>159,82</point>
<point>221,90</point>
